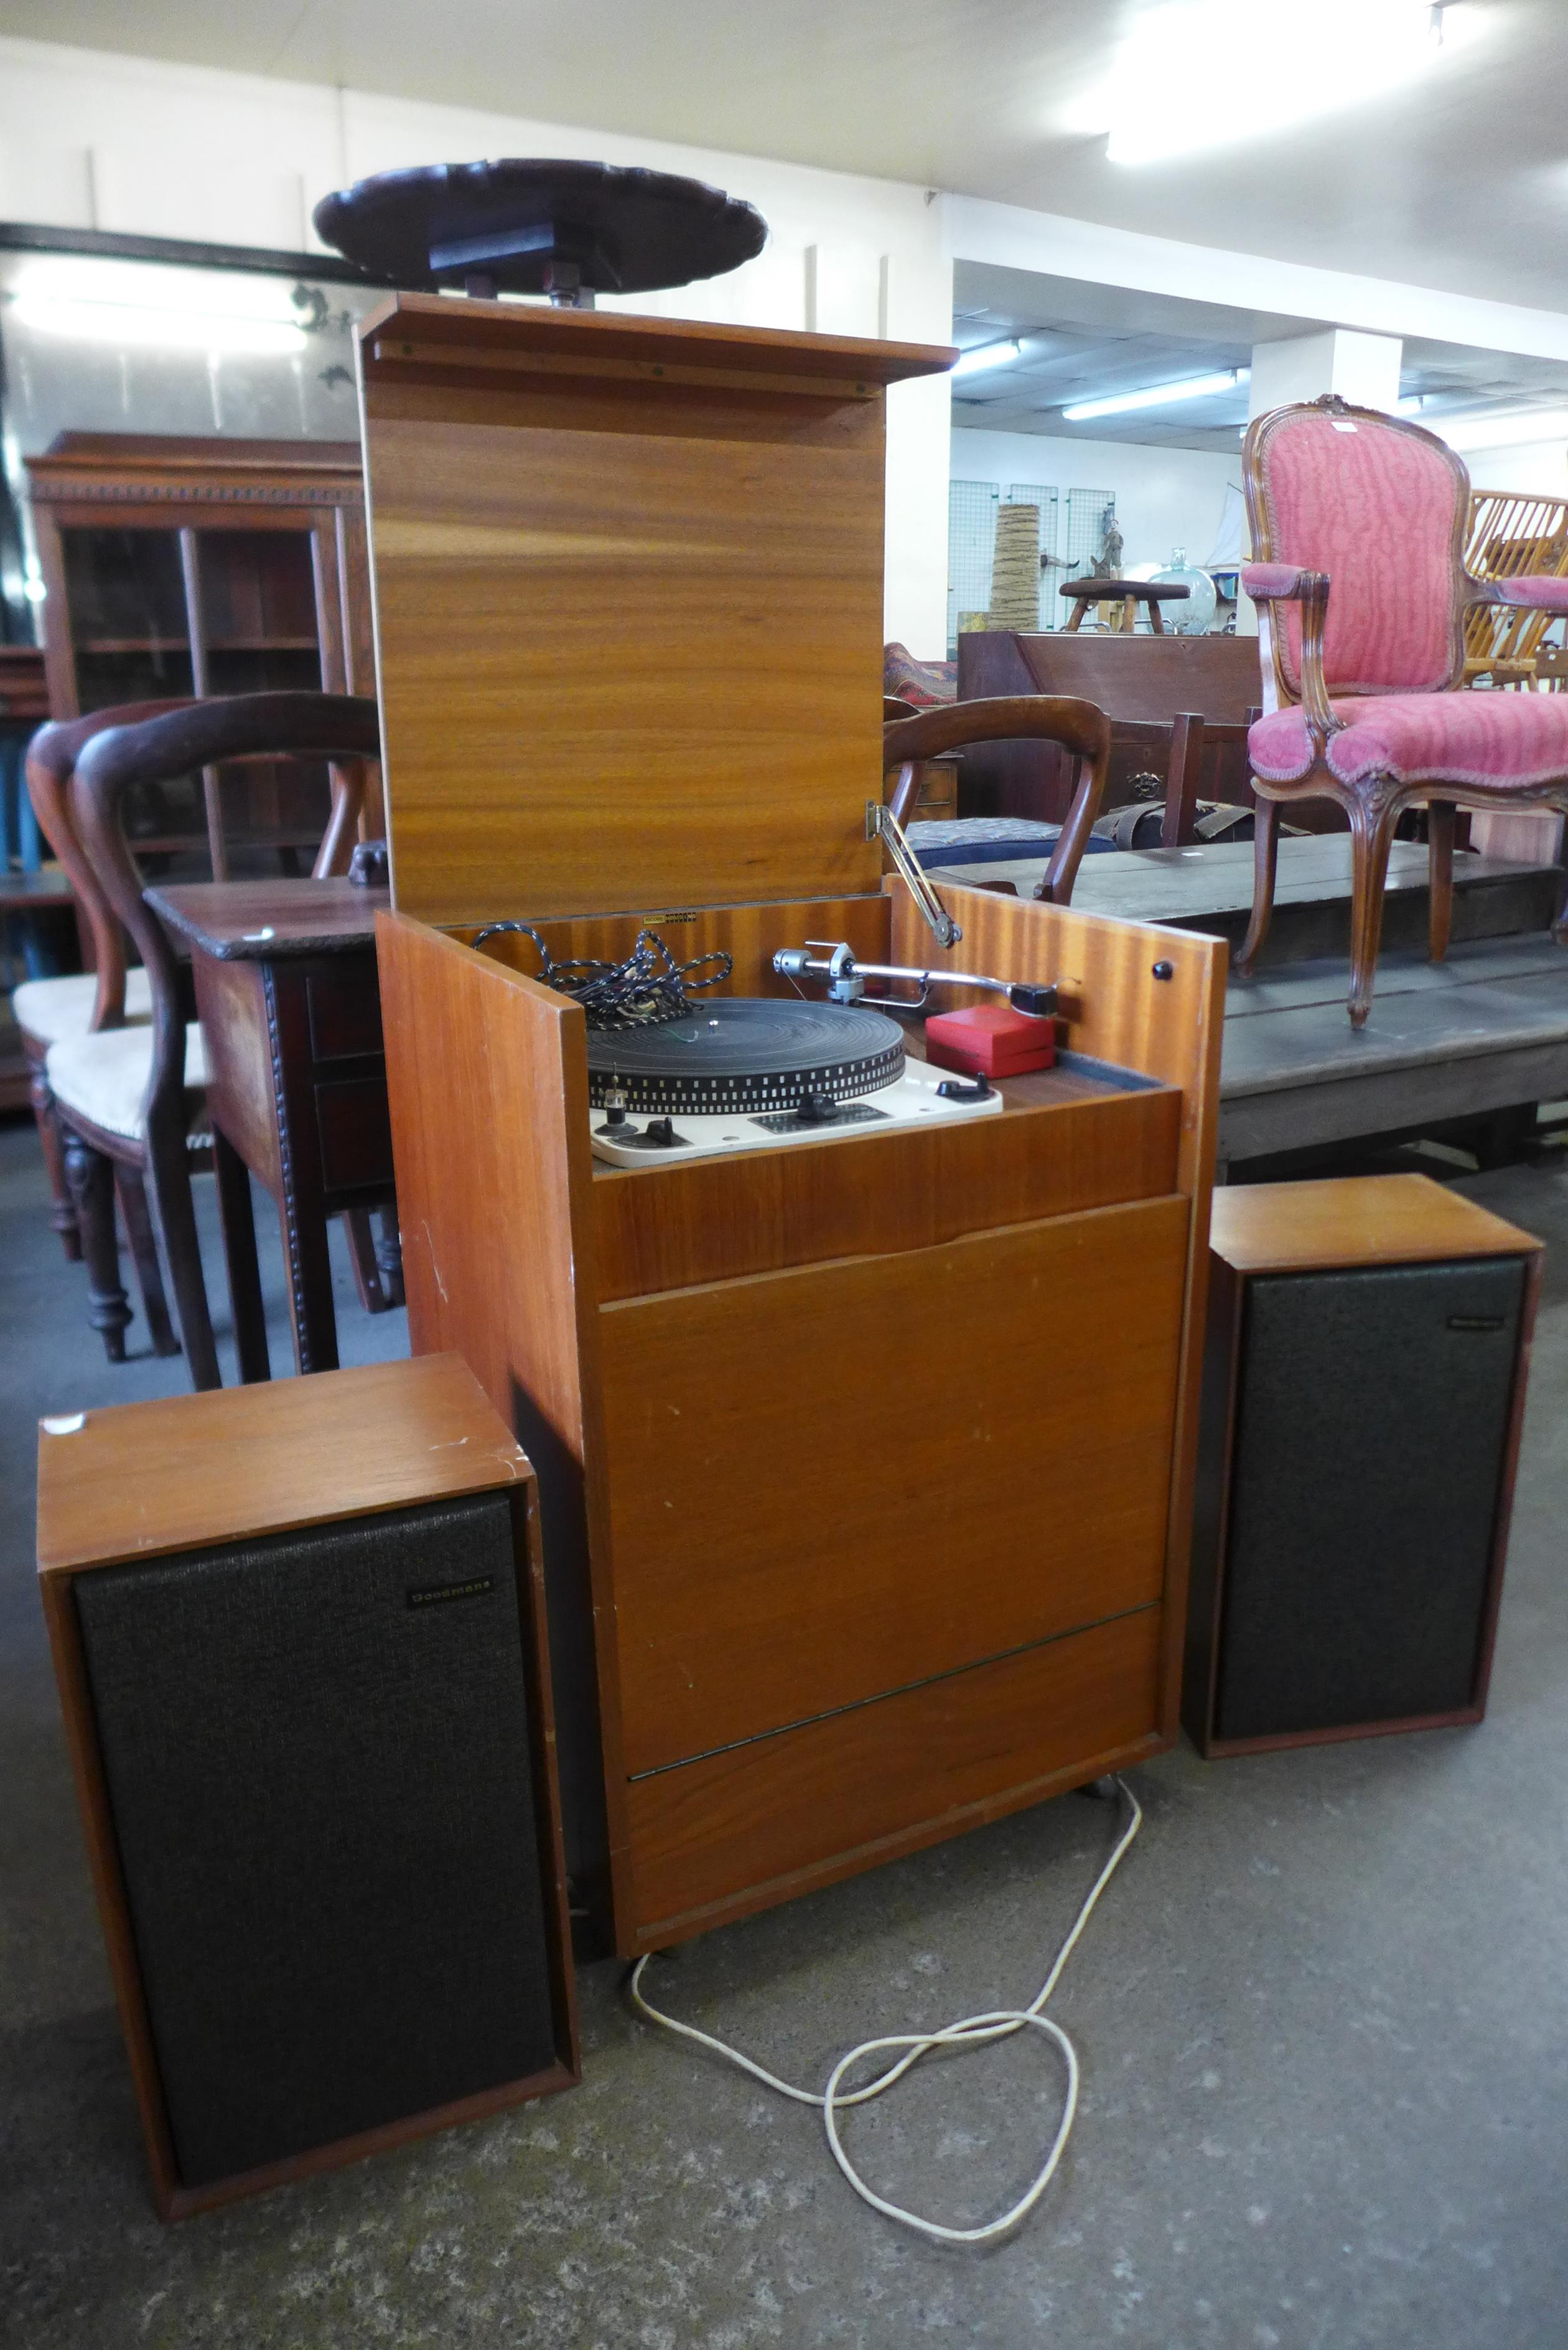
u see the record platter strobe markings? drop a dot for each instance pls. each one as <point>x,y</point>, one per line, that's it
<point>740,1073</point>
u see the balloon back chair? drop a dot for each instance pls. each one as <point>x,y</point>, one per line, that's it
<point>1358,524</point>
<point>129,1100</point>
<point>1080,727</point>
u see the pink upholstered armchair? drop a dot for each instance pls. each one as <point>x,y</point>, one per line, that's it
<point>1358,523</point>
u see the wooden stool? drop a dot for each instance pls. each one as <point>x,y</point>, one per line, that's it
<point>1129,593</point>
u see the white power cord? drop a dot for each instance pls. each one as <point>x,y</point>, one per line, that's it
<point>969,2032</point>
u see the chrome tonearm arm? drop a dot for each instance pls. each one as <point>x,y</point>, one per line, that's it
<point>845,977</point>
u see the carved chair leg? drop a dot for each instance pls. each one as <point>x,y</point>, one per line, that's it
<point>139,1232</point>
<point>91,1180</point>
<point>390,1254</point>
<point>362,1259</point>
<point>1372,823</point>
<point>62,1211</point>
<point>1440,856</point>
<point>1265,857</point>
<point>168,1164</point>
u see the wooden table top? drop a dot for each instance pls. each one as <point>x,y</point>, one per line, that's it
<point>137,1480</point>
<point>256,921</point>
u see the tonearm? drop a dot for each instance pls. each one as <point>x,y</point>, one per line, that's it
<point>845,977</point>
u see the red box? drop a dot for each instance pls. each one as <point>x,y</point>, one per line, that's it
<point>991,1040</point>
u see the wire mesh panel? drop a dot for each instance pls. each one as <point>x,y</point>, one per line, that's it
<point>972,544</point>
<point>1088,519</point>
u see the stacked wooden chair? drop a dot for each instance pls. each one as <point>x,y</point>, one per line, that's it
<point>1511,536</point>
<point>121,1093</point>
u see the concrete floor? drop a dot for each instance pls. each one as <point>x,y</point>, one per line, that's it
<point>1323,2016</point>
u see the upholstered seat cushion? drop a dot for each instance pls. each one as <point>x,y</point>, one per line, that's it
<point>1483,738</point>
<point>986,840</point>
<point>104,1077</point>
<point>49,1009</point>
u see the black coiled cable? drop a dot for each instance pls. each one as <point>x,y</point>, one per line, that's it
<point>648,988</point>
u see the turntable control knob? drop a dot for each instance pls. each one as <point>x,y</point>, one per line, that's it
<point>816,1109</point>
<point>661,1132</point>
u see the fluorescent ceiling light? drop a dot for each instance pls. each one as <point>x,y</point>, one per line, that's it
<point>988,355</point>
<point>131,303</point>
<point>1509,432</point>
<point>1158,395</point>
<point>1196,74</point>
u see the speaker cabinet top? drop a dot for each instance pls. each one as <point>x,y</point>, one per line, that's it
<point>629,606</point>
<point>195,1470</point>
<point>1353,1220</point>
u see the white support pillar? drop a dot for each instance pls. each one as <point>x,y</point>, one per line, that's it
<point>1362,368</point>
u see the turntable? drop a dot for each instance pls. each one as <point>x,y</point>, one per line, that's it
<point>865,1438</point>
<point>747,1073</point>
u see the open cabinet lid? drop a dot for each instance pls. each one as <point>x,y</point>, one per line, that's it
<point>628,579</point>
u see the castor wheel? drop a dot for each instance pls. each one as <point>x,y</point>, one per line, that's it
<point>1102,1790</point>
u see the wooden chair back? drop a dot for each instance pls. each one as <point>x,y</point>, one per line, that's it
<point>340,727</point>
<point>51,759</point>
<point>1075,728</point>
<point>52,756</point>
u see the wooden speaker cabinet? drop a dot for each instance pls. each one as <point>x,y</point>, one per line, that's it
<point>1364,1387</point>
<point>298,1633</point>
<point>864,1464</point>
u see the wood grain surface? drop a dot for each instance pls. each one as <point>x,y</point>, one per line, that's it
<point>784,1550</point>
<point>487,1076</point>
<point>558,769</point>
<point>667,1227</point>
<point>138,1480</point>
<point>750,935</point>
<point>770,1820</point>
<point>605,336</point>
<point>1115,1008</point>
<point>611,557</point>
<point>1355,1220</point>
<point>225,919</point>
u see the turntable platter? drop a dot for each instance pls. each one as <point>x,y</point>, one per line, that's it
<point>739,1053</point>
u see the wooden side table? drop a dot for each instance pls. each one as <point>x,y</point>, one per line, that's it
<point>287,995</point>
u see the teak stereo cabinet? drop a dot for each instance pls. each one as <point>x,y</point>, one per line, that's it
<point>865,1466</point>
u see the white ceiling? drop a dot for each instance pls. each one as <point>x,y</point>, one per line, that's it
<point>1081,341</point>
<point>1457,180</point>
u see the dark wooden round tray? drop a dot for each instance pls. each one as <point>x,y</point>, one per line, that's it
<point>527,226</point>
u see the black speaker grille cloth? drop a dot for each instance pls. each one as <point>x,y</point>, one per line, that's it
<point>1364,1494</point>
<point>322,1797</point>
